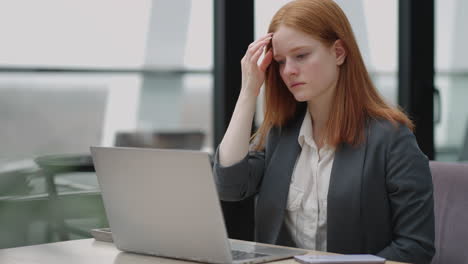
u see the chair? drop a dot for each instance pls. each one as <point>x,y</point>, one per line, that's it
<point>42,119</point>
<point>192,140</point>
<point>14,177</point>
<point>45,117</point>
<point>22,217</point>
<point>14,182</point>
<point>31,214</point>
<point>53,165</point>
<point>451,212</point>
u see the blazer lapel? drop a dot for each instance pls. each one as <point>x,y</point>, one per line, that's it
<point>344,200</point>
<point>273,195</point>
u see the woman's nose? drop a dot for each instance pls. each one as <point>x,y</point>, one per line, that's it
<point>290,68</point>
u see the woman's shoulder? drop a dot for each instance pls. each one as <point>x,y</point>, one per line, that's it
<point>383,129</point>
<point>390,137</point>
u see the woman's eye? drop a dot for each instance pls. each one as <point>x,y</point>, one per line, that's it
<point>280,62</point>
<point>301,56</point>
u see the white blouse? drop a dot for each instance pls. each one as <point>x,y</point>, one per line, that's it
<point>306,212</point>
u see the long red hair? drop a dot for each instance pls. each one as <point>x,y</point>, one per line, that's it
<point>356,99</point>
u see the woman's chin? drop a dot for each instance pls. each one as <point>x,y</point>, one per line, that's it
<point>300,98</point>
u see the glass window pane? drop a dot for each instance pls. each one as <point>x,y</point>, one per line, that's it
<point>451,79</point>
<point>155,60</point>
<point>84,33</point>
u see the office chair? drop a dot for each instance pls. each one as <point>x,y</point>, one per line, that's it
<point>71,204</point>
<point>451,211</point>
<point>14,182</point>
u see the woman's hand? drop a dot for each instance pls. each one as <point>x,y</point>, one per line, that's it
<point>253,73</point>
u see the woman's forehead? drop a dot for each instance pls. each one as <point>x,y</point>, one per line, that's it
<point>287,39</point>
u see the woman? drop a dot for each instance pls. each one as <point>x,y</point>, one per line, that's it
<point>333,166</point>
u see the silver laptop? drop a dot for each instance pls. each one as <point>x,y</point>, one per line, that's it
<point>165,203</point>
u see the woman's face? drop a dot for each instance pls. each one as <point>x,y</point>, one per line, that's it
<point>308,68</point>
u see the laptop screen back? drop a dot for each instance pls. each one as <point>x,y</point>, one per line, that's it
<point>162,202</point>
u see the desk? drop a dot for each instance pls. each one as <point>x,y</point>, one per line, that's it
<point>88,251</point>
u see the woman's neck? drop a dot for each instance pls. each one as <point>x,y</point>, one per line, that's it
<point>318,115</point>
<point>319,110</point>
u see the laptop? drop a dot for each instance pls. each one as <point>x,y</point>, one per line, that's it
<point>164,203</point>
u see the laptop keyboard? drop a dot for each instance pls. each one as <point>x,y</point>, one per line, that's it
<point>240,255</point>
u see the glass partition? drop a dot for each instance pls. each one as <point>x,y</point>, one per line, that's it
<point>85,73</point>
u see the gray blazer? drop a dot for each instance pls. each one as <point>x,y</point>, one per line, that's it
<point>379,200</point>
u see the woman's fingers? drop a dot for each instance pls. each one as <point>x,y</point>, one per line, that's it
<point>269,35</point>
<point>266,60</point>
<point>258,52</point>
<point>253,49</point>
<point>252,76</point>
<point>255,46</point>
<point>255,52</point>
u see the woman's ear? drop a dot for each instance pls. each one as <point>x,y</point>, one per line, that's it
<point>340,52</point>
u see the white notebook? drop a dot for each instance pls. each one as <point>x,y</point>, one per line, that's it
<point>338,259</point>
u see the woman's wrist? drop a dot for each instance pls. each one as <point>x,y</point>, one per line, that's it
<point>247,95</point>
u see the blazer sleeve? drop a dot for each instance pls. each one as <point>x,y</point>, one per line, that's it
<point>240,180</point>
<point>243,179</point>
<point>410,191</point>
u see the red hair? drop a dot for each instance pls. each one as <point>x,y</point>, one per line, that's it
<point>356,99</point>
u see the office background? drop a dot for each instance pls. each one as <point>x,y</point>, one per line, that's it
<point>81,73</point>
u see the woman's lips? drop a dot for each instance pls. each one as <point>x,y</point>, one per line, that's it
<point>296,84</point>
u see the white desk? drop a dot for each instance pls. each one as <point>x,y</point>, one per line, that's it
<point>87,251</point>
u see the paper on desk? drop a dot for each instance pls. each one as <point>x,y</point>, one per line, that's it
<point>338,259</point>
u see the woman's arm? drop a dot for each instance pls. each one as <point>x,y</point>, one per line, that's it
<point>237,172</point>
<point>409,186</point>
<point>235,143</point>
